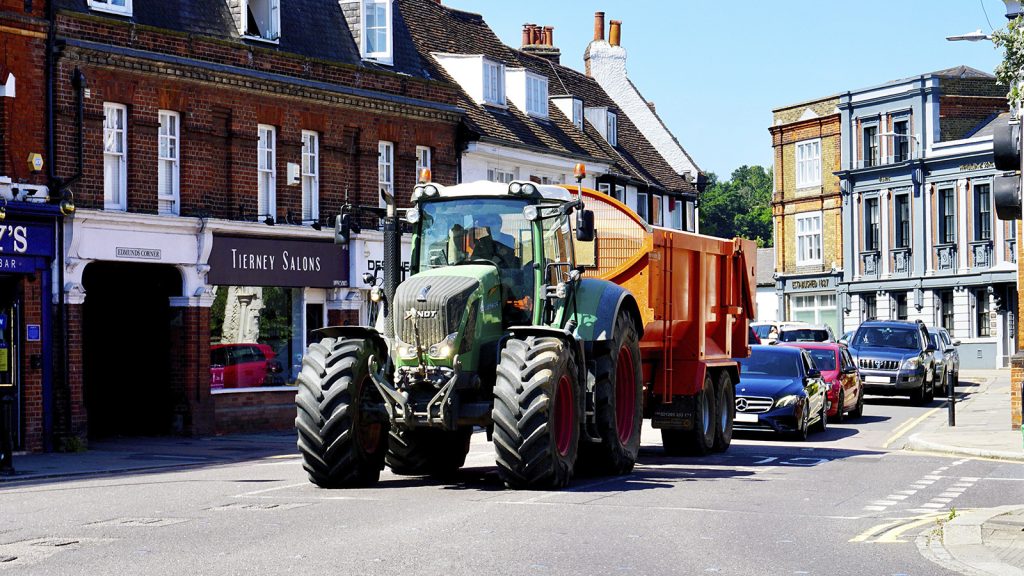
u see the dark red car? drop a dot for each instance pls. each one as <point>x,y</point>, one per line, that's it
<point>845,391</point>
<point>242,365</point>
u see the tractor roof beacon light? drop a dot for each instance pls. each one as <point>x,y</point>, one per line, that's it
<point>425,175</point>
<point>579,172</point>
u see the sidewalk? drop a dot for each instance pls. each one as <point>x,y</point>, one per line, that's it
<point>990,540</point>
<point>140,454</point>
<point>982,421</point>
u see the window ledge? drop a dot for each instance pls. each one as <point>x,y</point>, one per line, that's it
<point>383,60</point>
<point>495,105</point>
<point>809,187</point>
<point>275,40</point>
<point>111,9</point>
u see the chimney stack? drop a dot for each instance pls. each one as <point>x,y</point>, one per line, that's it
<point>539,41</point>
<point>615,32</point>
<point>598,25</point>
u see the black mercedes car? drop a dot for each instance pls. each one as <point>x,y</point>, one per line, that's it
<point>780,390</point>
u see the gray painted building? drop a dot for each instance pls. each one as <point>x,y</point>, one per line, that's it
<point>920,237</point>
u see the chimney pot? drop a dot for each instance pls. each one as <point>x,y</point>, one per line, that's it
<point>598,25</point>
<point>526,34</point>
<point>615,32</point>
<point>549,35</point>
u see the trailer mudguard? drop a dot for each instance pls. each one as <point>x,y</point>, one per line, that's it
<point>598,303</point>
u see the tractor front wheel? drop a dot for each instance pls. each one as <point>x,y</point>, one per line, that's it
<point>536,414</point>
<point>341,422</point>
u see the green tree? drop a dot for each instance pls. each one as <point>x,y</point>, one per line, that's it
<point>741,206</point>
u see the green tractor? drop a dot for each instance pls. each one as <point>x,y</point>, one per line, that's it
<point>496,328</point>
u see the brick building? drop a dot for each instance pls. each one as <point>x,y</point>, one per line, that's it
<point>807,211</point>
<point>219,136</point>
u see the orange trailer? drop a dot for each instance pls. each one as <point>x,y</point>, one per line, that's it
<point>696,296</point>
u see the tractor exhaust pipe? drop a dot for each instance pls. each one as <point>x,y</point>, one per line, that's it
<point>392,260</point>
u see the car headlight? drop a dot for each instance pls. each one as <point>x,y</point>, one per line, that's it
<point>787,401</point>
<point>911,363</point>
<point>444,349</point>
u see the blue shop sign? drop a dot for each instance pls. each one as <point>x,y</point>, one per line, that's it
<point>21,239</point>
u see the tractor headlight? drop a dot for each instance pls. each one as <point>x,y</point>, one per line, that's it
<point>407,351</point>
<point>530,212</point>
<point>376,294</point>
<point>431,190</point>
<point>444,349</point>
<point>529,189</point>
<point>412,215</point>
<point>787,401</point>
<point>515,188</point>
<point>417,194</point>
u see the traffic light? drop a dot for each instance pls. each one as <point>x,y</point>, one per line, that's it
<point>1006,188</point>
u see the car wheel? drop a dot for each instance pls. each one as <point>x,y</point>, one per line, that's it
<point>841,407</point>
<point>929,393</point>
<point>858,409</point>
<point>917,395</point>
<point>822,423</point>
<point>802,428</point>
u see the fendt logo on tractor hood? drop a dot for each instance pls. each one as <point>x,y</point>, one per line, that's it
<point>414,313</point>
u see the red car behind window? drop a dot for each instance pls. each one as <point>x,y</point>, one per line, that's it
<point>242,365</point>
<point>845,390</point>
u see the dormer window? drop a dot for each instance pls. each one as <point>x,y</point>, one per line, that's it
<point>376,31</point>
<point>536,95</point>
<point>114,6</point>
<point>605,121</point>
<point>577,113</point>
<point>261,19</point>
<point>494,83</point>
<point>613,129</point>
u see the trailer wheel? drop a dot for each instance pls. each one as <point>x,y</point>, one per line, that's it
<point>427,451</point>
<point>726,409</point>
<point>699,440</point>
<point>618,404</point>
<point>536,413</point>
<point>341,423</point>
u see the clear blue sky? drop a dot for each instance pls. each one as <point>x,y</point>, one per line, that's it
<point>716,69</point>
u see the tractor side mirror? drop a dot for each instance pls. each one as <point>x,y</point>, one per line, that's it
<point>585,225</point>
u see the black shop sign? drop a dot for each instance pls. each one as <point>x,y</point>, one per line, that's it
<point>238,261</point>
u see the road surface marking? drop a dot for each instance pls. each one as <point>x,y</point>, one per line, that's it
<point>907,426</point>
<point>863,536</point>
<point>893,536</point>
<point>265,490</point>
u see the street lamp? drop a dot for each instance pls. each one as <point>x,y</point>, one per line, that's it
<point>900,135</point>
<point>975,36</point>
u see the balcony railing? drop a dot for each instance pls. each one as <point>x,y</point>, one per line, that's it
<point>870,261</point>
<point>901,264</point>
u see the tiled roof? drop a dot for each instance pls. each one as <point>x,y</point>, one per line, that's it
<point>987,127</point>
<point>310,28</point>
<point>962,72</point>
<point>468,33</point>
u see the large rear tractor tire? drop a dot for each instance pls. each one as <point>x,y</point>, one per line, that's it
<point>699,440</point>
<point>618,405</point>
<point>536,414</point>
<point>341,422</point>
<point>427,451</point>
<point>726,412</point>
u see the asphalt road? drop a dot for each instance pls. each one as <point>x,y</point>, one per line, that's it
<point>846,502</point>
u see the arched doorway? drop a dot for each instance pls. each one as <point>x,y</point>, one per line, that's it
<point>126,348</point>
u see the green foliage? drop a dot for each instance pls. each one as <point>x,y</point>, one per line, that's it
<point>1008,72</point>
<point>742,206</point>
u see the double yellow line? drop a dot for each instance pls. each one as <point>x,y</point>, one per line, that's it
<point>890,532</point>
<point>909,424</point>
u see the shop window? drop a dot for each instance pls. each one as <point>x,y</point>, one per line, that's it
<point>253,334</point>
<point>869,307</point>
<point>310,175</point>
<point>814,309</point>
<point>946,310</point>
<point>115,156</point>
<point>900,299</point>
<point>168,170</point>
<point>266,203</point>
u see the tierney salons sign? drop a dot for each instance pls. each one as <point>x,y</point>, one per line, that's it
<point>237,261</point>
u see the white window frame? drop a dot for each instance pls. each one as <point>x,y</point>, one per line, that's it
<point>422,160</point>
<point>643,209</point>
<point>577,113</point>
<point>657,210</point>
<point>170,141</point>
<point>500,175</point>
<point>109,6</point>
<point>808,238</point>
<point>808,163</point>
<point>310,175</point>
<point>385,169</point>
<point>493,82</point>
<point>274,28</point>
<point>537,95</point>
<point>613,129</point>
<point>266,168</point>
<point>385,56</point>
<point>118,134</point>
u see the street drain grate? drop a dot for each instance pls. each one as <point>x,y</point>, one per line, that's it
<point>148,522</point>
<point>245,506</point>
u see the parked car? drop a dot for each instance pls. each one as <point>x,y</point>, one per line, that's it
<point>847,336</point>
<point>895,357</point>
<point>780,390</point>
<point>752,337</point>
<point>818,333</point>
<point>946,356</point>
<point>242,365</point>
<point>845,391</point>
<point>768,332</point>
